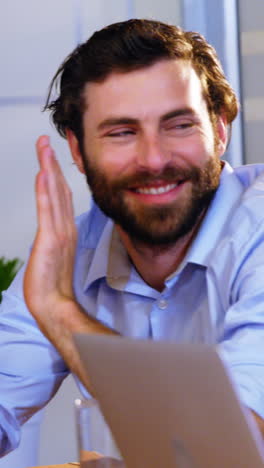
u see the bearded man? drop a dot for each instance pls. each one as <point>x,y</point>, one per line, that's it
<point>172,247</point>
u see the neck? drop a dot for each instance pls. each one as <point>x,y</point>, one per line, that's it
<point>156,263</point>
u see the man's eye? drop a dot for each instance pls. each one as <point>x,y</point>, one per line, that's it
<point>121,133</point>
<point>186,125</point>
<point>180,126</point>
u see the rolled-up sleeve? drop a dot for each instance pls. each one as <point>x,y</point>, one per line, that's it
<point>242,344</point>
<point>31,369</point>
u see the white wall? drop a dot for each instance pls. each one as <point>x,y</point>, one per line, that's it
<point>218,22</point>
<point>252,59</point>
<point>35,36</point>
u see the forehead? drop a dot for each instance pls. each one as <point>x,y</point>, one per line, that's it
<point>154,89</point>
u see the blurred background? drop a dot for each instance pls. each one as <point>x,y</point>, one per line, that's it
<point>35,37</point>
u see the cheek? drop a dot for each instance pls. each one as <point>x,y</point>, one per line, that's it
<point>116,160</point>
<point>196,151</point>
<point>112,166</point>
<point>207,144</point>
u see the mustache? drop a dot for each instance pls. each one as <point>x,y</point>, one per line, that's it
<point>169,174</point>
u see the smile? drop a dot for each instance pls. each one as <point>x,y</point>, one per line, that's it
<point>156,190</point>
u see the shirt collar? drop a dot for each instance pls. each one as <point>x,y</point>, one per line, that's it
<point>99,262</point>
<point>110,260</point>
<point>211,231</point>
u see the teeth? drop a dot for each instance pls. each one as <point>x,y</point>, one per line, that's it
<point>156,191</point>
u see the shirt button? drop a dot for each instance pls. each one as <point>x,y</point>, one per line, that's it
<point>162,304</point>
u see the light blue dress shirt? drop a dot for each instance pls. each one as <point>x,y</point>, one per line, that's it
<point>215,296</point>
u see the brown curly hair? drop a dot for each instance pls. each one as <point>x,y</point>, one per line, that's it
<point>129,45</point>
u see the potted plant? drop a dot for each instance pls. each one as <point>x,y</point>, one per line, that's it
<point>8,270</point>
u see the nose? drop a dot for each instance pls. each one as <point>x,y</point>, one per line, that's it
<point>152,155</point>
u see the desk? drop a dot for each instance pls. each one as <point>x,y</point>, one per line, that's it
<point>89,456</point>
<point>114,464</point>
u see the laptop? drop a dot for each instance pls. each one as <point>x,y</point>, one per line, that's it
<point>170,405</point>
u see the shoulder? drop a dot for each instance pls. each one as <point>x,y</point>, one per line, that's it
<point>241,241</point>
<point>250,173</point>
<point>236,265</point>
<point>247,221</point>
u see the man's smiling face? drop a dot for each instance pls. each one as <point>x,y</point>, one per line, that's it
<point>150,152</point>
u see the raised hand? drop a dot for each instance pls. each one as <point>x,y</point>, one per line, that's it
<point>48,286</point>
<point>48,277</point>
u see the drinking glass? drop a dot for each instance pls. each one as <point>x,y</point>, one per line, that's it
<point>96,445</point>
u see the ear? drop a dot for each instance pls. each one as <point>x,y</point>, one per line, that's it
<point>222,131</point>
<point>75,150</point>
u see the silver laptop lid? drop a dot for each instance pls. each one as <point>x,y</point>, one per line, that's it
<point>170,405</point>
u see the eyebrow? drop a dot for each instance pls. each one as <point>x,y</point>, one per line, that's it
<point>186,111</point>
<point>113,121</point>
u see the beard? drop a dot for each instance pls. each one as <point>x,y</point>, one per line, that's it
<point>155,225</point>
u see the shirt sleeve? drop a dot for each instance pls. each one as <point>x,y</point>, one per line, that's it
<point>31,369</point>
<point>242,343</point>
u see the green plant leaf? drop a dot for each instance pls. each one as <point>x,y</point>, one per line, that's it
<point>8,270</point>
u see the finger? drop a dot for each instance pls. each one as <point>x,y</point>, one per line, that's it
<point>57,197</point>
<point>44,211</point>
<point>42,142</point>
<point>66,197</point>
<point>55,180</point>
<point>59,192</point>
<point>45,153</point>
